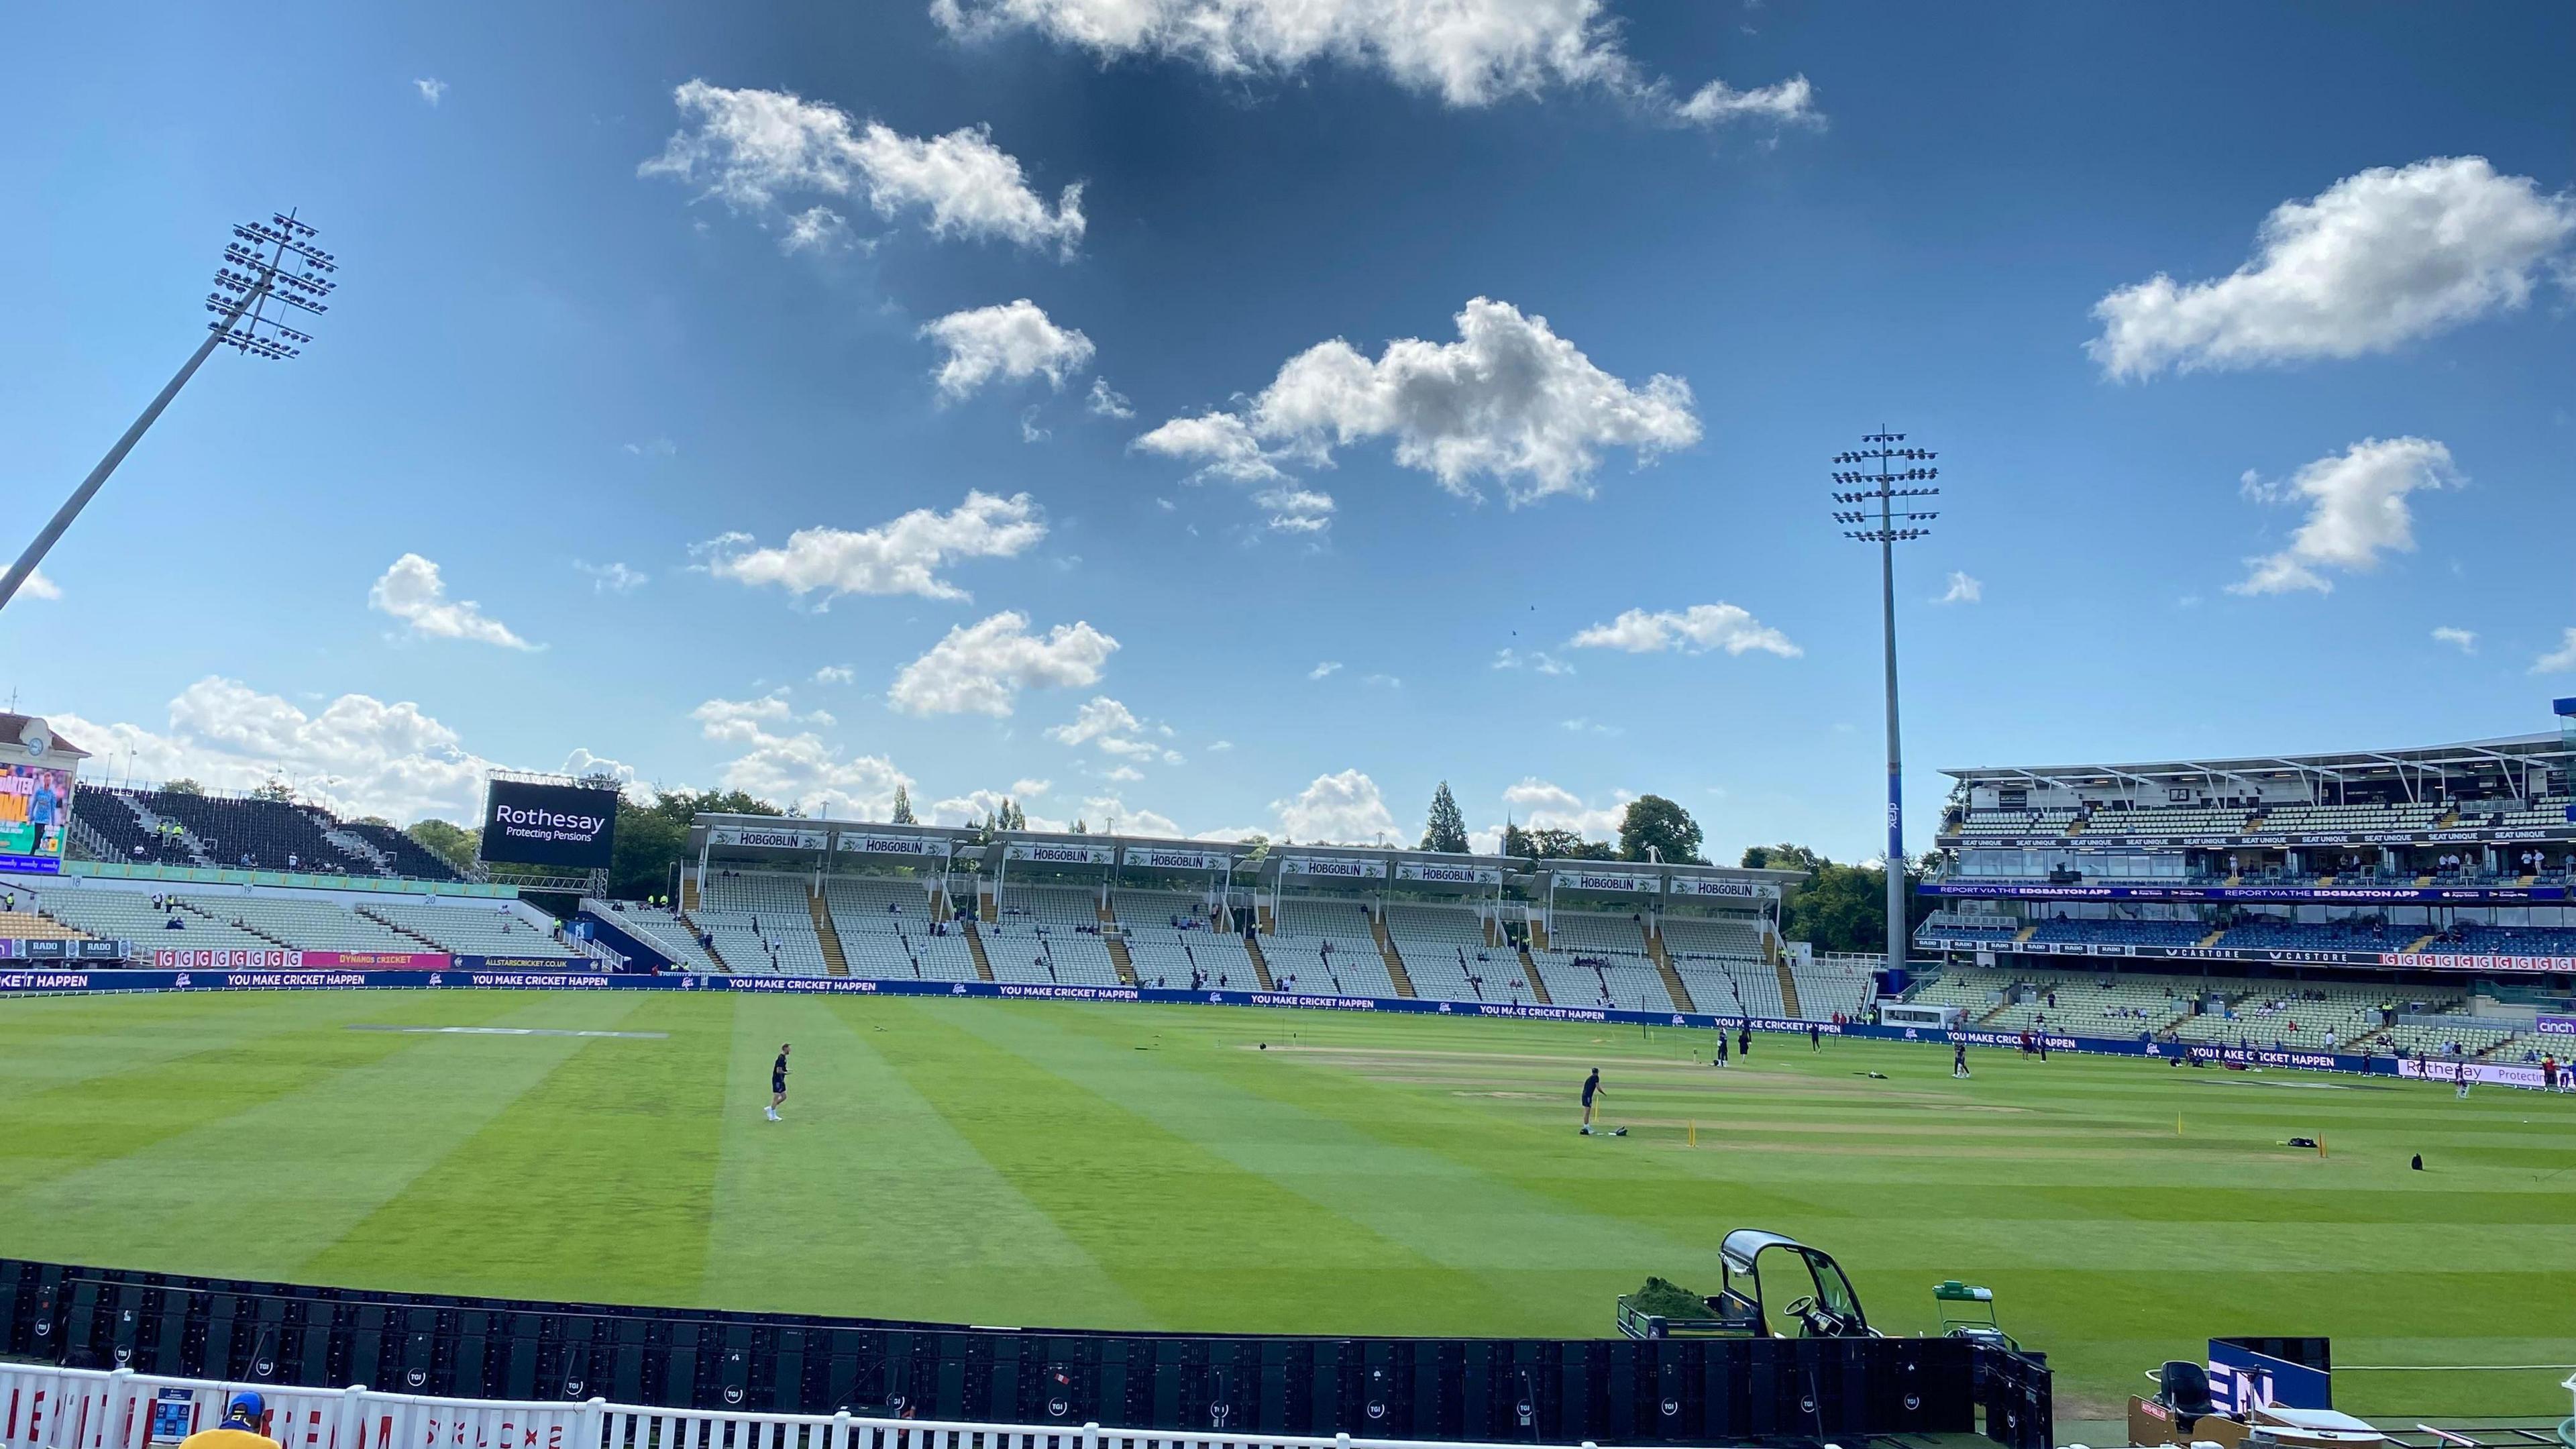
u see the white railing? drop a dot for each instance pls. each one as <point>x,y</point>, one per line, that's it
<point>51,1408</point>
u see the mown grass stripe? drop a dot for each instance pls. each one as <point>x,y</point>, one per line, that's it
<point>866,1200</point>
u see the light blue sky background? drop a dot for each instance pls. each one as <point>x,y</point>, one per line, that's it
<point>540,359</point>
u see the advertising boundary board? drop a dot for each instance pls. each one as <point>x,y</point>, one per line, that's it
<point>470,974</point>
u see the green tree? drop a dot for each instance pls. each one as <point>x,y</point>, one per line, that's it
<point>1079,828</point>
<point>274,790</point>
<point>1446,829</point>
<point>653,835</point>
<point>183,786</point>
<point>1565,845</point>
<point>902,806</point>
<point>1841,907</point>
<point>1656,824</point>
<point>445,839</point>
<point>1013,817</point>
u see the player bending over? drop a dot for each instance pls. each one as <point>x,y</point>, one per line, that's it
<point>1591,1088</point>
<point>778,1083</point>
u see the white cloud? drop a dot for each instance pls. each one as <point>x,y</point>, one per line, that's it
<point>752,148</point>
<point>1108,402</point>
<point>1344,808</point>
<point>431,88</point>
<point>1791,102</point>
<point>1583,726</point>
<point>2378,259</point>
<point>1694,630</point>
<point>359,755</point>
<point>1028,789</point>
<point>797,770</point>
<point>1467,52</point>
<point>613,578</point>
<point>903,556</point>
<point>1220,747</point>
<point>582,764</point>
<point>976,806</point>
<point>2464,640</point>
<point>413,592</point>
<point>1114,729</point>
<point>1510,400</point>
<point>1963,590</point>
<point>980,668</point>
<point>1110,813</point>
<point>1015,340</point>
<point>1122,773</point>
<point>37,586</point>
<point>835,674</point>
<point>1329,666</point>
<point>2559,660</point>
<point>1542,805</point>
<point>655,448</point>
<point>1296,510</point>
<point>1384,681</point>
<point>817,229</point>
<point>1537,659</point>
<point>2356,511</point>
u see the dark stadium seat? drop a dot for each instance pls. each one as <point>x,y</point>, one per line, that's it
<point>2185,1390</point>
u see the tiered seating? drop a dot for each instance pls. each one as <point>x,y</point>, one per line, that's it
<point>876,905</point>
<point>1156,910</point>
<point>1055,905</point>
<point>2330,819</point>
<point>256,834</point>
<point>111,814</point>
<point>1445,954</point>
<point>2507,941</point>
<point>129,914</point>
<point>2127,1004</point>
<point>307,925</point>
<point>1043,955</point>
<point>2308,1016</point>
<point>1593,934</point>
<point>1733,987</point>
<point>1324,947</point>
<point>2087,930</point>
<point>410,858</point>
<point>2273,935</point>
<point>1830,989</point>
<point>2538,814</point>
<point>2468,1037</point>
<point>27,925</point>
<point>657,926</point>
<point>1972,989</point>
<point>1600,978</point>
<point>945,957</point>
<point>2173,820</point>
<point>2017,822</point>
<point>482,931</point>
<point>1711,936</point>
<point>1973,925</point>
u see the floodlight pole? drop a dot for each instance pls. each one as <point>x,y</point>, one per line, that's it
<point>242,322</point>
<point>1892,527</point>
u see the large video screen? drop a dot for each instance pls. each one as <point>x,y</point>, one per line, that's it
<point>35,809</point>
<point>558,825</point>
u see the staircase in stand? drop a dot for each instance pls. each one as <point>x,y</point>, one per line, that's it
<point>688,893</point>
<point>834,963</point>
<point>1529,973</point>
<point>1260,963</point>
<point>975,944</point>
<point>1788,989</point>
<point>1116,941</point>
<point>1664,967</point>
<point>192,908</point>
<point>400,929</point>
<point>1394,960</point>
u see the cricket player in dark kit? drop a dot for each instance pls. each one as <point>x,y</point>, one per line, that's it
<point>778,1083</point>
<point>1591,1087</point>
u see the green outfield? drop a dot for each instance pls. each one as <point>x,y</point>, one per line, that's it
<point>1154,1167</point>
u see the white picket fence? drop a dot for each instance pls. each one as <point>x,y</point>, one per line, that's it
<point>50,1408</point>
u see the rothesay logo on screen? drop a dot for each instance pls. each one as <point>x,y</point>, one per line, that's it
<point>557,825</point>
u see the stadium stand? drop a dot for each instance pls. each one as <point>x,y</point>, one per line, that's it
<point>1710,936</point>
<point>132,916</point>
<point>1969,925</point>
<point>2098,931</point>
<point>2017,822</point>
<point>2264,933</point>
<point>1593,933</point>
<point>182,828</point>
<point>662,928</point>
<point>311,925</point>
<point>1323,946</point>
<point>475,931</point>
<point>762,924</point>
<point>1065,906</point>
<point>1829,989</point>
<point>1733,987</point>
<point>1605,979</point>
<point>28,925</point>
<point>2482,940</point>
<point>1444,952</point>
<point>407,857</point>
<point>1047,955</point>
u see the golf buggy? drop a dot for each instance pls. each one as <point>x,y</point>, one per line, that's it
<point>1806,1296</point>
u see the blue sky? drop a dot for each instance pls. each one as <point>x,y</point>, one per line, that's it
<point>598,357</point>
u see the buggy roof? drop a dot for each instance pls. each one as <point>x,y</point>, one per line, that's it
<point>1741,1246</point>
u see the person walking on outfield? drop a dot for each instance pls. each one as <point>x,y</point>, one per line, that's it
<point>1591,1087</point>
<point>1744,1041</point>
<point>1815,1037</point>
<point>1959,1058</point>
<point>778,1083</point>
<point>239,1430</point>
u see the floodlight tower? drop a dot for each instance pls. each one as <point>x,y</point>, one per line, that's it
<point>1897,518</point>
<point>271,271</point>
